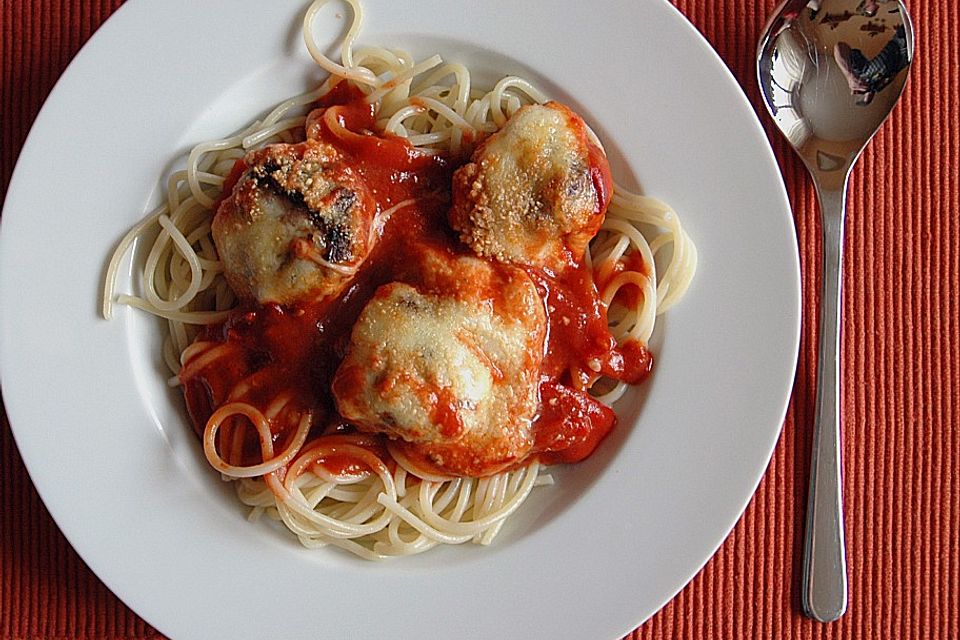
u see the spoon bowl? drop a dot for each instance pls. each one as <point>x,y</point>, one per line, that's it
<point>830,72</point>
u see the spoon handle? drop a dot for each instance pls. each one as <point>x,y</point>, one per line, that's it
<point>824,591</point>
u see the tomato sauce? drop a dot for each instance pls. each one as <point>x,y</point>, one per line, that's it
<point>275,349</point>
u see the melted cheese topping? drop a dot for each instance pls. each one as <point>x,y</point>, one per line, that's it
<point>528,194</point>
<point>296,226</point>
<point>452,366</point>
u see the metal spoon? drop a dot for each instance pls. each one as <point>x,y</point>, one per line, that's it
<point>830,72</point>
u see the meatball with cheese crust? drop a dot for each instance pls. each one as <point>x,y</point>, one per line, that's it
<point>535,192</point>
<point>449,369</point>
<point>296,225</point>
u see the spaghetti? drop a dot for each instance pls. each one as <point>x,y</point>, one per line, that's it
<point>327,482</point>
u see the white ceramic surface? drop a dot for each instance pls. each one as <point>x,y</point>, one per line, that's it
<point>107,445</point>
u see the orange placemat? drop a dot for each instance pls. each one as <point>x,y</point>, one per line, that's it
<point>901,372</point>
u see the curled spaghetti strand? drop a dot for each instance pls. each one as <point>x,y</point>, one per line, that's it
<point>260,422</point>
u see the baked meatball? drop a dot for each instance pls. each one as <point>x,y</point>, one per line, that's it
<point>450,368</point>
<point>296,225</point>
<point>535,192</point>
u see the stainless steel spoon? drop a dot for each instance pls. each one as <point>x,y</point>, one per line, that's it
<point>830,72</point>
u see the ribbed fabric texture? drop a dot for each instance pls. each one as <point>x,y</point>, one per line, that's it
<point>901,373</point>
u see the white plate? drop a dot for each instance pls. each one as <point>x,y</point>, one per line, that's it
<point>107,445</point>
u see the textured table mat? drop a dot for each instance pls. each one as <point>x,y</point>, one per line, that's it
<point>901,373</point>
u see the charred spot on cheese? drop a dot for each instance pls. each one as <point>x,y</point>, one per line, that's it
<point>296,225</point>
<point>446,370</point>
<point>535,192</point>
